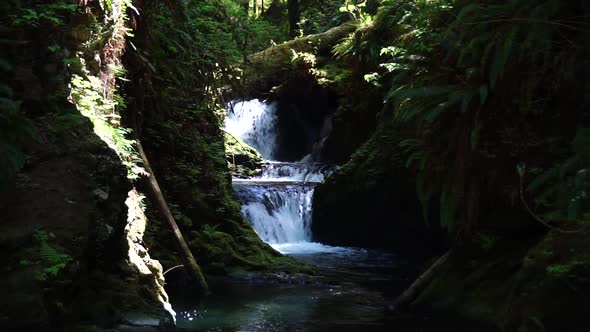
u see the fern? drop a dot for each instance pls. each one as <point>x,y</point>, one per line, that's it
<point>51,260</point>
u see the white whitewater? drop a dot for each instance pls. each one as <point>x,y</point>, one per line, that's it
<point>255,123</point>
<point>279,213</point>
<point>278,202</point>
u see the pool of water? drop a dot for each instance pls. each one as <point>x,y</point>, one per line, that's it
<point>359,286</point>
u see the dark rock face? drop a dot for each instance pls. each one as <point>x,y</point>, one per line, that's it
<point>353,123</point>
<point>303,107</point>
<point>66,240</point>
<point>371,202</point>
<point>75,193</point>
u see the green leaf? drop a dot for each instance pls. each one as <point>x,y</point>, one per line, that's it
<point>501,57</point>
<point>483,94</point>
<point>582,142</point>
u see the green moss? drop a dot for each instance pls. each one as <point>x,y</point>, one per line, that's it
<point>331,73</point>
<point>182,136</point>
<point>242,159</point>
<point>230,252</point>
<point>558,270</point>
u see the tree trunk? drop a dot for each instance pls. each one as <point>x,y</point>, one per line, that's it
<point>246,4</point>
<point>294,15</point>
<point>190,264</point>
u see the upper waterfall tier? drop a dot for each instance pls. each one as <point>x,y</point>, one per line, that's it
<point>255,123</point>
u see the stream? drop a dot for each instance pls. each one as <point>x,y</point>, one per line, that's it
<point>354,287</point>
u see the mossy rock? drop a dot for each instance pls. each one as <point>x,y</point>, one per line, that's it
<point>188,153</point>
<point>243,160</point>
<point>225,253</point>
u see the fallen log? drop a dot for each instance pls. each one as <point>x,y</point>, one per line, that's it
<point>272,63</point>
<point>186,256</point>
<point>410,294</point>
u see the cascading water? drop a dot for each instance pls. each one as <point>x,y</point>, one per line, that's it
<point>279,213</point>
<point>255,123</point>
<point>278,201</point>
<point>278,204</point>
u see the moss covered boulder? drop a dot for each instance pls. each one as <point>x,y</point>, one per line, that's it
<point>243,160</point>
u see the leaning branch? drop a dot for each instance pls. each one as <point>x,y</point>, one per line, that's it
<point>173,268</point>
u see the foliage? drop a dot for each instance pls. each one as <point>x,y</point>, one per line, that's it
<point>87,95</point>
<point>261,34</point>
<point>43,13</point>
<point>50,259</point>
<point>95,93</point>
<point>319,16</point>
<point>183,57</point>
<point>478,82</point>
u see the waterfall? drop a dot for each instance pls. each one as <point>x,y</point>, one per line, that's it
<point>255,123</point>
<point>278,213</point>
<point>278,202</point>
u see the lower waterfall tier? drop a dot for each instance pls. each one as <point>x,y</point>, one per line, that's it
<point>279,213</point>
